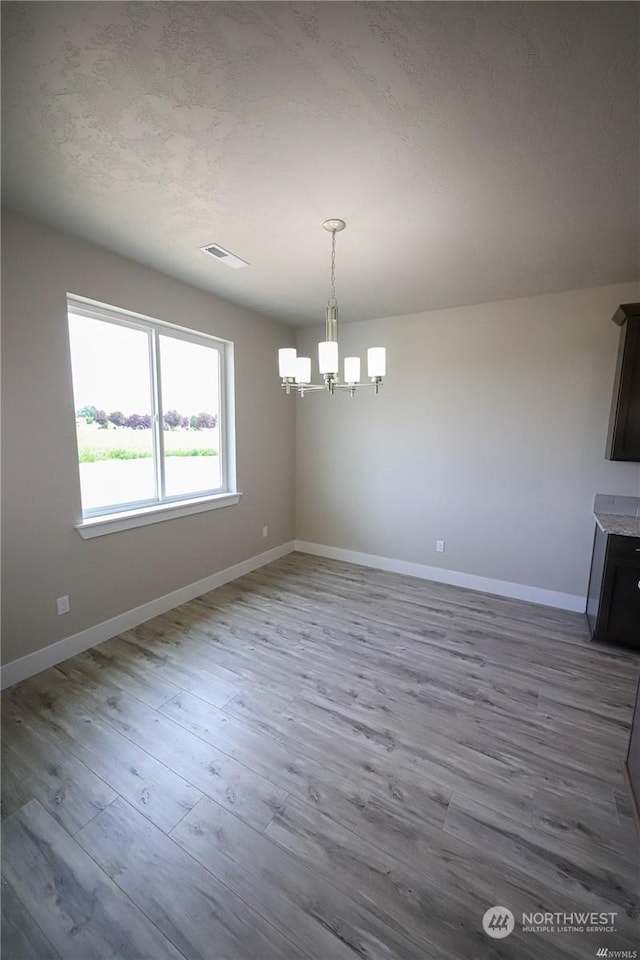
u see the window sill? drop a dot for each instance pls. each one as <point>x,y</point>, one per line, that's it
<point>115,522</point>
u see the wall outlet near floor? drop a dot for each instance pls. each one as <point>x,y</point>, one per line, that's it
<point>265,532</point>
<point>439,546</point>
<point>62,604</point>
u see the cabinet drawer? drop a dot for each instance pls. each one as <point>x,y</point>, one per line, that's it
<point>624,548</point>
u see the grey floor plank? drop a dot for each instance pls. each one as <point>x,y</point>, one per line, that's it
<point>112,662</point>
<point>71,792</point>
<point>22,938</point>
<point>218,775</point>
<point>197,912</point>
<point>320,919</point>
<point>15,785</point>
<point>564,865</point>
<point>408,899</point>
<point>526,892</point>
<point>378,761</point>
<point>357,797</point>
<point>164,658</point>
<point>56,706</point>
<point>78,908</point>
<point>527,737</point>
<point>253,703</point>
<point>558,815</point>
<point>627,817</point>
<point>286,765</point>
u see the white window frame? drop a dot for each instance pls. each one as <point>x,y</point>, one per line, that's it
<point>112,518</point>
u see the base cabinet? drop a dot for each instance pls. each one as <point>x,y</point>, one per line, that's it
<point>613,602</point>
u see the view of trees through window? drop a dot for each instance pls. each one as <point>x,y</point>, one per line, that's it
<point>123,376</point>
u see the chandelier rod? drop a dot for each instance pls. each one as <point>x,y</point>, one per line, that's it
<point>333,225</point>
<point>333,264</point>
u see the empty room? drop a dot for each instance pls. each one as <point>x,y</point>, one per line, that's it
<point>320,480</point>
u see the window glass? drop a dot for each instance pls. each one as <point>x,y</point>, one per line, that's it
<point>150,410</point>
<point>112,395</point>
<point>190,380</point>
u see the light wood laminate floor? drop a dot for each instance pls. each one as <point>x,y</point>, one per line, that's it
<point>320,761</point>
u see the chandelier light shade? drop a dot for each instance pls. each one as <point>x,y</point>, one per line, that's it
<point>376,361</point>
<point>303,370</point>
<point>328,357</point>
<point>295,371</point>
<point>351,369</point>
<point>287,363</point>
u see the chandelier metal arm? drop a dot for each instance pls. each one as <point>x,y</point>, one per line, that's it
<point>331,384</point>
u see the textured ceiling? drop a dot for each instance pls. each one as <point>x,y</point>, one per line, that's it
<point>477,151</point>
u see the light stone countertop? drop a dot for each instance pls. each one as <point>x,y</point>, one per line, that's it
<point>617,515</point>
<point>621,526</point>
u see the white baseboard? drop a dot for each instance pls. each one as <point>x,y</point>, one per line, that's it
<point>49,656</point>
<point>503,588</point>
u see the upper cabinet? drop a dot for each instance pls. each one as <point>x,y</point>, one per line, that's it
<point>623,442</point>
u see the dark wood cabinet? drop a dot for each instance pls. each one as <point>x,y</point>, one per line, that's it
<point>613,602</point>
<point>623,442</point>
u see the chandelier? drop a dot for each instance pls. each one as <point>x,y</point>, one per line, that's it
<point>295,371</point>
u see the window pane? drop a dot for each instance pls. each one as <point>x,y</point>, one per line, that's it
<point>112,395</point>
<point>190,378</point>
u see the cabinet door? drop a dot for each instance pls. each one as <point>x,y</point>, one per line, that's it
<point>623,442</point>
<point>618,619</point>
<point>624,611</point>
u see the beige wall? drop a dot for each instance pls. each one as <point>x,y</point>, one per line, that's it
<point>489,434</point>
<point>43,555</point>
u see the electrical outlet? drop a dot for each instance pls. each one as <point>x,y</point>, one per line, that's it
<point>265,532</point>
<point>440,546</point>
<point>63,604</point>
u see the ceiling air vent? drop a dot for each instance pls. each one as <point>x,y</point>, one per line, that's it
<point>224,256</point>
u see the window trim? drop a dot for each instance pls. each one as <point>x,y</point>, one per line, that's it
<point>115,522</point>
<point>122,516</point>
